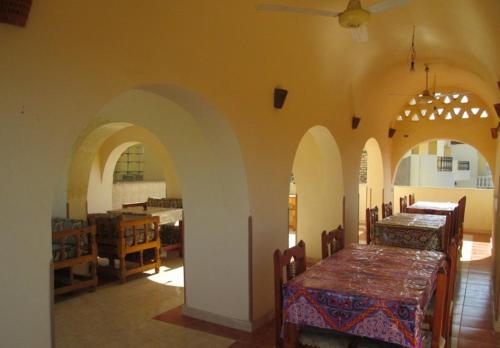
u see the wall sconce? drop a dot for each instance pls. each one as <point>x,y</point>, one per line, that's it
<point>494,131</point>
<point>497,109</point>
<point>279,97</point>
<point>355,122</point>
<point>392,131</point>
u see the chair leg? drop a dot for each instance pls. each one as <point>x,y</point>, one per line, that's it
<point>291,332</point>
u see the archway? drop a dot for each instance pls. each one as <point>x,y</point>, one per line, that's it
<point>317,170</point>
<point>446,170</point>
<point>212,180</point>
<point>371,182</point>
<point>160,169</point>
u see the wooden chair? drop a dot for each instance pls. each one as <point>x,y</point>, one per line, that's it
<point>371,219</point>
<point>332,241</point>
<point>293,260</point>
<point>403,204</point>
<point>411,199</point>
<point>461,217</point>
<point>288,265</point>
<point>452,258</point>
<point>386,210</point>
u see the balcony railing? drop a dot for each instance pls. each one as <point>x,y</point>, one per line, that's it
<point>484,182</point>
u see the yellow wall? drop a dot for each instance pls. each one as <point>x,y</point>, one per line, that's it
<point>213,67</point>
<point>478,208</point>
<point>319,184</point>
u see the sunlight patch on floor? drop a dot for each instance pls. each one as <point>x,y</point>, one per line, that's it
<point>483,249</point>
<point>168,276</point>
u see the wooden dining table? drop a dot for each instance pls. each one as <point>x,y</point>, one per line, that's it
<point>379,292</point>
<point>449,209</point>
<point>416,231</point>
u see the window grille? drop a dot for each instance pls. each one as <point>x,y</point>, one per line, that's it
<point>130,166</point>
<point>463,165</point>
<point>444,164</point>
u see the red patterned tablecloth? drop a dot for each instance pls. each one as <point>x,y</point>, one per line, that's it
<point>366,290</point>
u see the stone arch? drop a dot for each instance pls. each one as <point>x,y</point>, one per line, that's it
<point>213,181</point>
<point>317,168</point>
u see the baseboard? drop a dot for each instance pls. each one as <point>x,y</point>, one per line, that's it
<point>238,324</point>
<point>478,231</point>
<point>263,320</point>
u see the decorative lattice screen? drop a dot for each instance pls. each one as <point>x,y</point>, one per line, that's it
<point>15,11</point>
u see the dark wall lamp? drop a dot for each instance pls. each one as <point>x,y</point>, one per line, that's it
<point>279,97</point>
<point>392,131</point>
<point>355,122</point>
<point>494,131</point>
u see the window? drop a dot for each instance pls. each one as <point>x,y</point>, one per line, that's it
<point>463,165</point>
<point>444,164</point>
<point>363,168</point>
<point>130,166</point>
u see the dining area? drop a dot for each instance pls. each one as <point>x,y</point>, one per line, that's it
<point>397,290</point>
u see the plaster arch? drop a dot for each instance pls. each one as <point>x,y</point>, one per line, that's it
<point>317,168</point>
<point>100,184</point>
<point>488,160</point>
<point>212,177</point>
<point>485,146</point>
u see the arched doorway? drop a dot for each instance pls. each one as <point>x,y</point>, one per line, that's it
<point>445,170</point>
<point>319,187</point>
<point>210,174</point>
<point>371,182</point>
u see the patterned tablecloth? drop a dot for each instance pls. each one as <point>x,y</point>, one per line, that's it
<point>366,290</point>
<point>416,231</point>
<point>166,215</point>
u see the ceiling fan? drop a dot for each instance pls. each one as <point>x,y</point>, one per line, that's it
<point>426,96</point>
<point>354,17</point>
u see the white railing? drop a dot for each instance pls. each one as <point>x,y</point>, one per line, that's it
<point>484,182</point>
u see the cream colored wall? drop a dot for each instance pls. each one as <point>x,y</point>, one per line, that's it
<point>478,208</point>
<point>363,203</point>
<point>319,186</point>
<point>375,177</point>
<point>59,72</point>
<point>138,191</point>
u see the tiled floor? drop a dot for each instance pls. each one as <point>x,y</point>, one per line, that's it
<point>146,312</point>
<point>473,305</point>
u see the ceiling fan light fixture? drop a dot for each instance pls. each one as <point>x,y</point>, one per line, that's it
<point>354,18</point>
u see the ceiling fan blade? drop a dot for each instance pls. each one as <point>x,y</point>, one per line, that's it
<point>359,34</point>
<point>285,8</point>
<point>386,5</point>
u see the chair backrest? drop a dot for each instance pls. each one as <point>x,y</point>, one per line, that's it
<point>386,210</point>
<point>371,219</point>
<point>293,262</point>
<point>332,241</point>
<point>107,225</point>
<point>452,259</point>
<point>411,199</point>
<point>403,204</point>
<point>461,217</point>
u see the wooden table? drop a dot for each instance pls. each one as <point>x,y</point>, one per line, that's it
<point>416,231</point>
<point>449,209</point>
<point>372,291</point>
